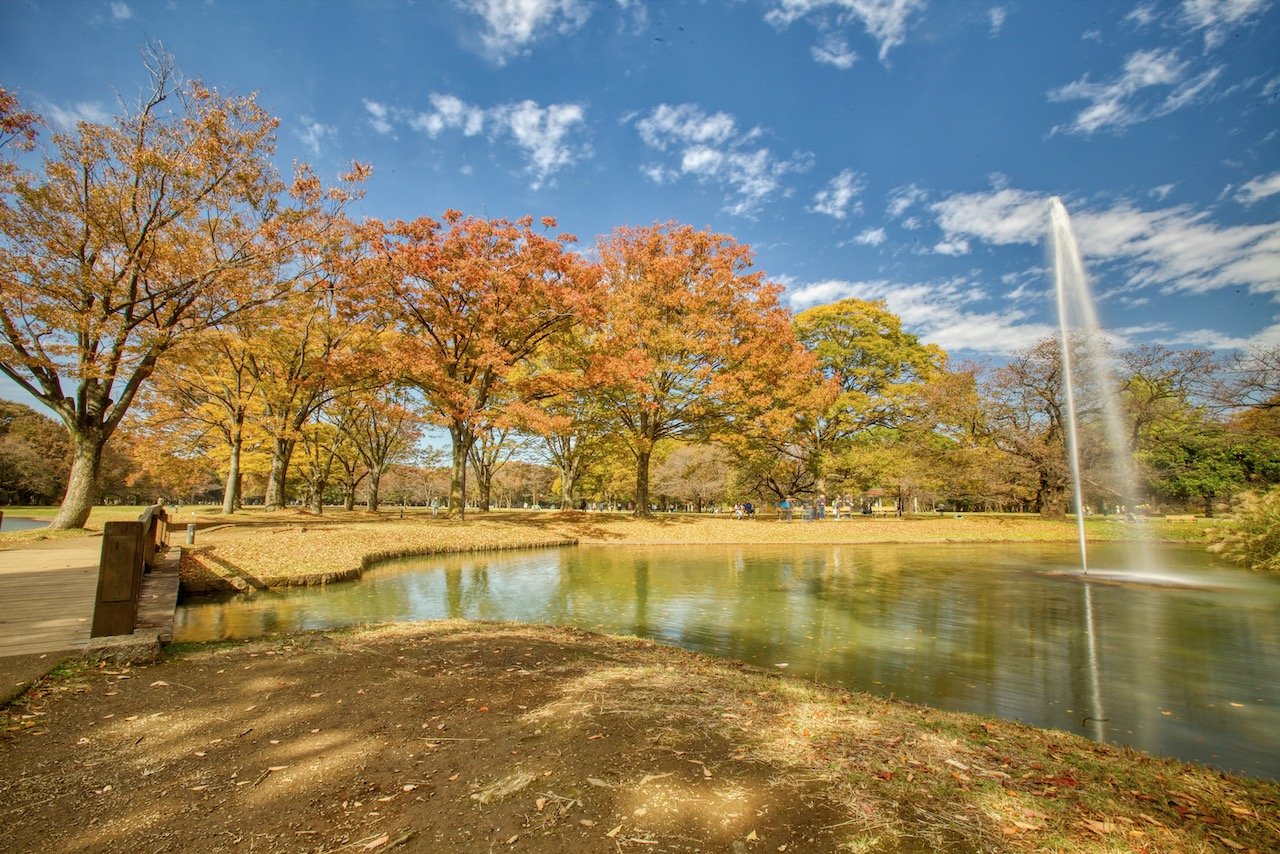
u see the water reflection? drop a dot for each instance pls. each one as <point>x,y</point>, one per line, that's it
<point>1185,670</point>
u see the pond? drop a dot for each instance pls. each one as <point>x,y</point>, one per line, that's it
<point>1182,663</point>
<point>20,523</point>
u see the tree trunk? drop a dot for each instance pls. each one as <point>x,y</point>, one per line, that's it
<point>82,485</point>
<point>317,497</point>
<point>484,485</point>
<point>642,482</point>
<point>280,455</point>
<point>1052,498</point>
<point>349,497</point>
<point>375,479</point>
<point>462,440</point>
<point>231,496</point>
<point>1208,506</point>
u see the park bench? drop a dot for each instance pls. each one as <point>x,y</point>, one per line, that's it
<point>1183,517</point>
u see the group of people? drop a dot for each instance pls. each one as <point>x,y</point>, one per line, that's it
<point>815,508</point>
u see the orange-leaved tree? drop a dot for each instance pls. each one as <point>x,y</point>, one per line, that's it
<point>695,340</point>
<point>135,234</point>
<point>475,298</point>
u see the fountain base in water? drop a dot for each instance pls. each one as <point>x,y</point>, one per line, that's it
<point>1123,578</point>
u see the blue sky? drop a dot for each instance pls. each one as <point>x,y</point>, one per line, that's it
<point>895,149</point>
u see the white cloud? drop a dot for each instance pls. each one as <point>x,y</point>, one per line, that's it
<point>683,125</point>
<point>121,11</point>
<point>710,148</point>
<point>886,21</point>
<point>952,246</point>
<point>1000,216</point>
<point>1162,192</point>
<point>943,313</point>
<point>449,113</point>
<point>66,118</point>
<point>1218,17</point>
<point>997,16</point>
<point>380,116</point>
<point>902,198</point>
<point>543,135</point>
<point>871,237</point>
<point>313,134</point>
<point>512,25</point>
<point>841,192</point>
<point>832,49</point>
<point>1117,103</point>
<point>1143,15</point>
<point>1262,187</point>
<point>1176,249</point>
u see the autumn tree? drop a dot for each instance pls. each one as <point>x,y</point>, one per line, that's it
<point>381,428</point>
<point>879,371</point>
<point>697,342</point>
<point>207,387</point>
<point>34,456</point>
<point>1157,382</point>
<point>695,474</point>
<point>476,298</point>
<point>1027,420</point>
<point>135,234</point>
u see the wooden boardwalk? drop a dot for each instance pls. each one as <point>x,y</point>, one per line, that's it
<point>47,592</point>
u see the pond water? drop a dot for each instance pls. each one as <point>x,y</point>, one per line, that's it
<point>19,523</point>
<point>1182,662</point>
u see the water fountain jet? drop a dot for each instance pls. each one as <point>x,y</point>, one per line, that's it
<point>1080,333</point>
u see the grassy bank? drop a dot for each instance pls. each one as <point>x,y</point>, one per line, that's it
<point>273,550</point>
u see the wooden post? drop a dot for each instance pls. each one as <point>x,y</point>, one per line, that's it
<point>119,579</point>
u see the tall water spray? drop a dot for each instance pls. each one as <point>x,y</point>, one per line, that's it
<point>1085,357</point>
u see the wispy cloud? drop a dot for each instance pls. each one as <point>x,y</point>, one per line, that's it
<point>543,134</point>
<point>313,134</point>
<point>901,199</point>
<point>955,314</point>
<point>1216,18</point>
<point>1127,99</point>
<point>449,112</point>
<point>121,11</point>
<point>840,196</point>
<point>710,148</point>
<point>1258,189</point>
<point>510,26</point>
<point>546,136</point>
<point>886,21</point>
<point>832,49</point>
<point>1002,217</point>
<point>1176,249</point>
<point>65,118</point>
<point>997,16</point>
<point>871,237</point>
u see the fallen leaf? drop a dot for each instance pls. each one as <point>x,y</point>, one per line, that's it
<point>378,843</point>
<point>614,832</point>
<point>512,840</point>
<point>596,781</point>
<point>1101,828</point>
<point>160,683</point>
<point>540,803</point>
<point>751,837</point>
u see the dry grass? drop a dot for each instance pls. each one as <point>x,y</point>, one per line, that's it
<point>275,550</point>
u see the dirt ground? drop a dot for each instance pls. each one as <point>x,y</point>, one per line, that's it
<point>449,739</point>
<point>469,737</point>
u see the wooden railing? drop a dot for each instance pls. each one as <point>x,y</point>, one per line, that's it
<point>129,549</point>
